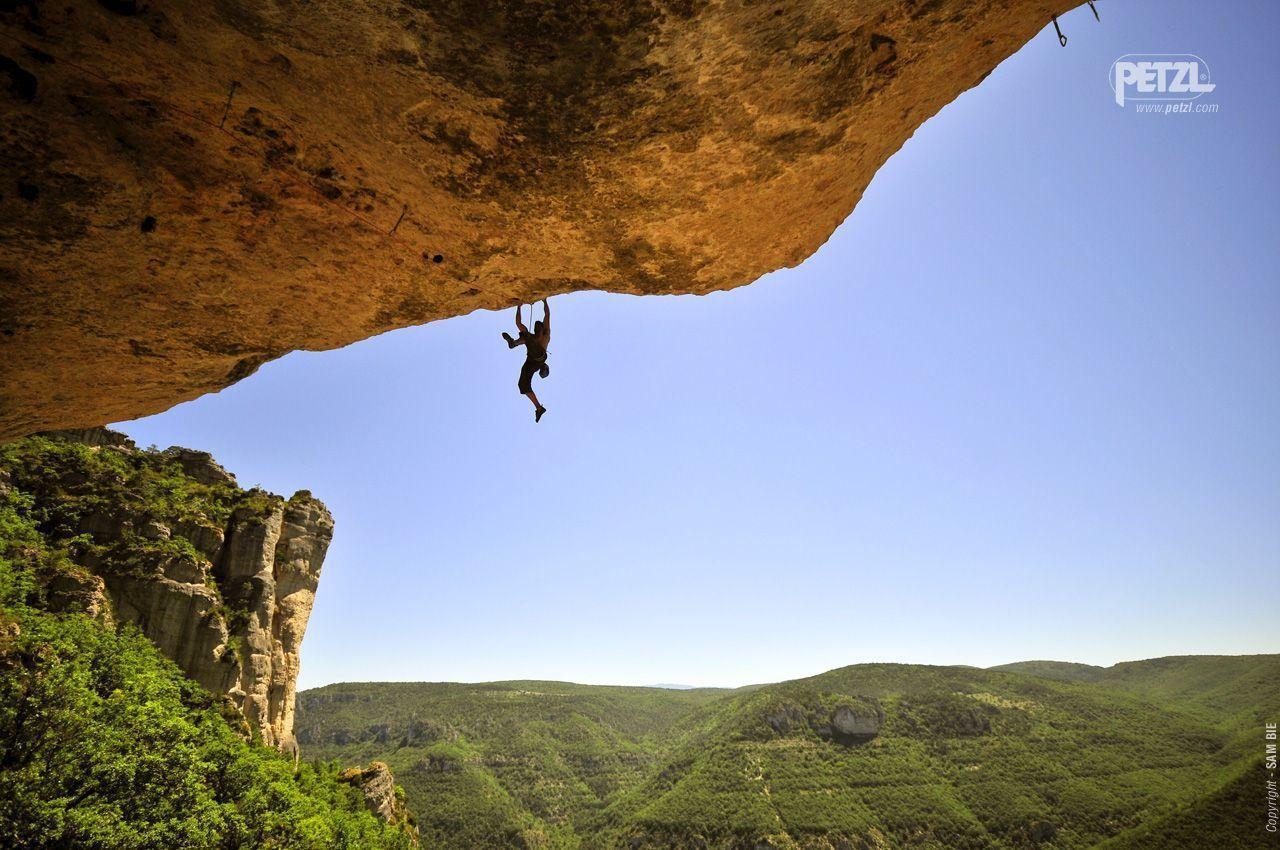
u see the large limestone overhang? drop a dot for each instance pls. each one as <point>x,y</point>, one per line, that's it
<point>151,251</point>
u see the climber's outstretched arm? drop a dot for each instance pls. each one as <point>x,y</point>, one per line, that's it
<point>546,318</point>
<point>519,322</point>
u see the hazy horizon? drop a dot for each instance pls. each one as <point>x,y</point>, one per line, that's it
<point>1022,405</point>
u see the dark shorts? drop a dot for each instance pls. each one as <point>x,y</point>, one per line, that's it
<point>527,371</point>
<point>535,357</point>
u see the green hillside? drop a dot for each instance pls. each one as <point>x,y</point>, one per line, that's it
<point>1229,816</point>
<point>1237,691</point>
<point>1234,693</point>
<point>503,764</point>
<point>1224,685</point>
<point>871,756</point>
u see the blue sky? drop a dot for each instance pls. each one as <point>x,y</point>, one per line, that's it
<point>1023,404</point>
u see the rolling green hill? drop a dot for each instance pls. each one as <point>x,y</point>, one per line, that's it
<point>1221,684</point>
<point>502,764</point>
<point>1063,671</point>
<point>870,756</point>
<point>1234,693</point>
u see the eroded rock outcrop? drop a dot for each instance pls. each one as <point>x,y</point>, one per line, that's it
<point>190,189</point>
<point>829,717</point>
<point>382,796</point>
<point>856,722</point>
<point>221,579</point>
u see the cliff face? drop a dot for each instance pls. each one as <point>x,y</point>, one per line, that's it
<point>222,580</point>
<point>234,619</point>
<point>189,189</point>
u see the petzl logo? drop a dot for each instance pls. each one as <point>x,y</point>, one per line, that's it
<point>1159,76</point>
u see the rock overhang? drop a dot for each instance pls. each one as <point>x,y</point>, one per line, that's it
<point>190,190</point>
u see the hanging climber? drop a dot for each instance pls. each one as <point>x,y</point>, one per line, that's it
<point>535,354</point>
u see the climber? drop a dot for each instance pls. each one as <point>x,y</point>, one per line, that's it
<point>535,354</point>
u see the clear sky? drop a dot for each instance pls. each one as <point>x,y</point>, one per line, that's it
<point>1024,404</point>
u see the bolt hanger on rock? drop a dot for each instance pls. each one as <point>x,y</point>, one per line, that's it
<point>1062,39</point>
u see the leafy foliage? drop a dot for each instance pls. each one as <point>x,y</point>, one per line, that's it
<point>72,481</point>
<point>1229,814</point>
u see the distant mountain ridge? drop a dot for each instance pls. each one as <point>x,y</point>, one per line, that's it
<point>1063,671</point>
<point>1032,754</point>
